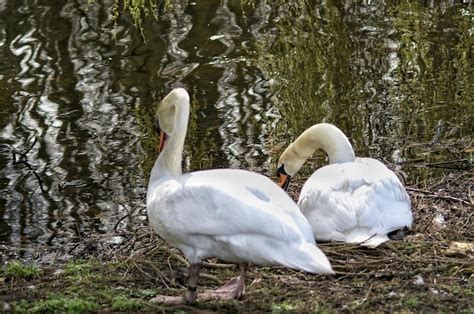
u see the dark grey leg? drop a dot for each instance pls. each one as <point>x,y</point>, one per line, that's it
<point>190,295</point>
<point>193,276</point>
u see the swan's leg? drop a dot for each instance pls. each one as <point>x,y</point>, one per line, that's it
<point>233,289</point>
<point>243,276</point>
<point>190,295</point>
<point>193,276</point>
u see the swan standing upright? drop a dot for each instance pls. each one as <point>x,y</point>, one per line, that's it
<point>235,215</point>
<point>354,200</point>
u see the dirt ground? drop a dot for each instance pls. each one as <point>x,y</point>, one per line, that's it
<point>432,269</point>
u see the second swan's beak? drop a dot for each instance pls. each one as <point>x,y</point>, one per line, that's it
<point>283,178</point>
<point>284,181</point>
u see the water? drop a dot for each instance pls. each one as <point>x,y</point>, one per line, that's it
<point>78,94</point>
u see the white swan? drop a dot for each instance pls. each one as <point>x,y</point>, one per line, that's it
<point>235,215</point>
<point>354,200</point>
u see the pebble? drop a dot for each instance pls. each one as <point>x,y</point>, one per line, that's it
<point>418,281</point>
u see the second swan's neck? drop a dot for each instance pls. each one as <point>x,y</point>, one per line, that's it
<point>323,136</point>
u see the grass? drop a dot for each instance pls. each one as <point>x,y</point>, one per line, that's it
<point>76,287</point>
<point>282,307</point>
<point>16,269</point>
<point>123,303</point>
<point>60,303</point>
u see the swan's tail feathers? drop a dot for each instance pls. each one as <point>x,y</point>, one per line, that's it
<point>310,258</point>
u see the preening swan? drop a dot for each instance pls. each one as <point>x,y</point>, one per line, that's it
<point>235,215</point>
<point>354,200</point>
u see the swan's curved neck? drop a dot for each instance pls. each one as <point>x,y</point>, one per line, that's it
<point>323,136</point>
<point>168,163</point>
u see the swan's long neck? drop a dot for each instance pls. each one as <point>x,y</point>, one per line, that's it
<point>323,136</point>
<point>168,163</point>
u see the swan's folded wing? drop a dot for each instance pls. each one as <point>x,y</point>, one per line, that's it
<point>234,222</point>
<point>328,216</point>
<point>390,207</point>
<point>219,209</point>
<point>326,200</point>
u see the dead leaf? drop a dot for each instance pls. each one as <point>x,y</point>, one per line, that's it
<point>460,248</point>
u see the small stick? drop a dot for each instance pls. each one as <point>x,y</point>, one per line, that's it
<point>128,214</point>
<point>217,265</point>
<point>433,195</point>
<point>360,302</point>
<point>211,277</point>
<point>448,162</point>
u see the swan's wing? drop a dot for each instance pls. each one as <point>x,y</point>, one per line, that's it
<point>388,204</point>
<point>216,213</point>
<point>351,201</point>
<point>266,190</point>
<point>328,210</point>
<point>223,202</point>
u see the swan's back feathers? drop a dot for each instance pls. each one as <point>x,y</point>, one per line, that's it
<point>234,215</point>
<point>353,201</point>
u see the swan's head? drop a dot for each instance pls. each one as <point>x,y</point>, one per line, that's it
<point>319,136</point>
<point>166,112</point>
<point>288,165</point>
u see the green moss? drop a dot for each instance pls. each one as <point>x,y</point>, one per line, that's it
<point>60,303</point>
<point>18,270</point>
<point>144,293</point>
<point>79,268</point>
<point>21,306</point>
<point>412,302</point>
<point>83,271</point>
<point>282,307</point>
<point>123,303</point>
<point>456,289</point>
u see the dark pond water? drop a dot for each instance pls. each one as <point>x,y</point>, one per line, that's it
<point>78,93</point>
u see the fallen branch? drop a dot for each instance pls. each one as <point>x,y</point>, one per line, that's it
<point>461,164</point>
<point>128,214</point>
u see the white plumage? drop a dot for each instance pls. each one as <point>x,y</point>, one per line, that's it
<point>235,215</point>
<point>354,200</point>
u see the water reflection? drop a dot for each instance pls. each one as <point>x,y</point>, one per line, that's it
<point>78,95</point>
<point>66,103</point>
<point>385,73</point>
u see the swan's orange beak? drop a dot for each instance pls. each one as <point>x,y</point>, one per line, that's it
<point>162,141</point>
<point>282,180</point>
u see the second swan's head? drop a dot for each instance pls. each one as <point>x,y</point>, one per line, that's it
<point>288,165</point>
<point>165,118</point>
<point>323,136</point>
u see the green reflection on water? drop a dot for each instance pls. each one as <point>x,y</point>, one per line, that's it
<point>387,75</point>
